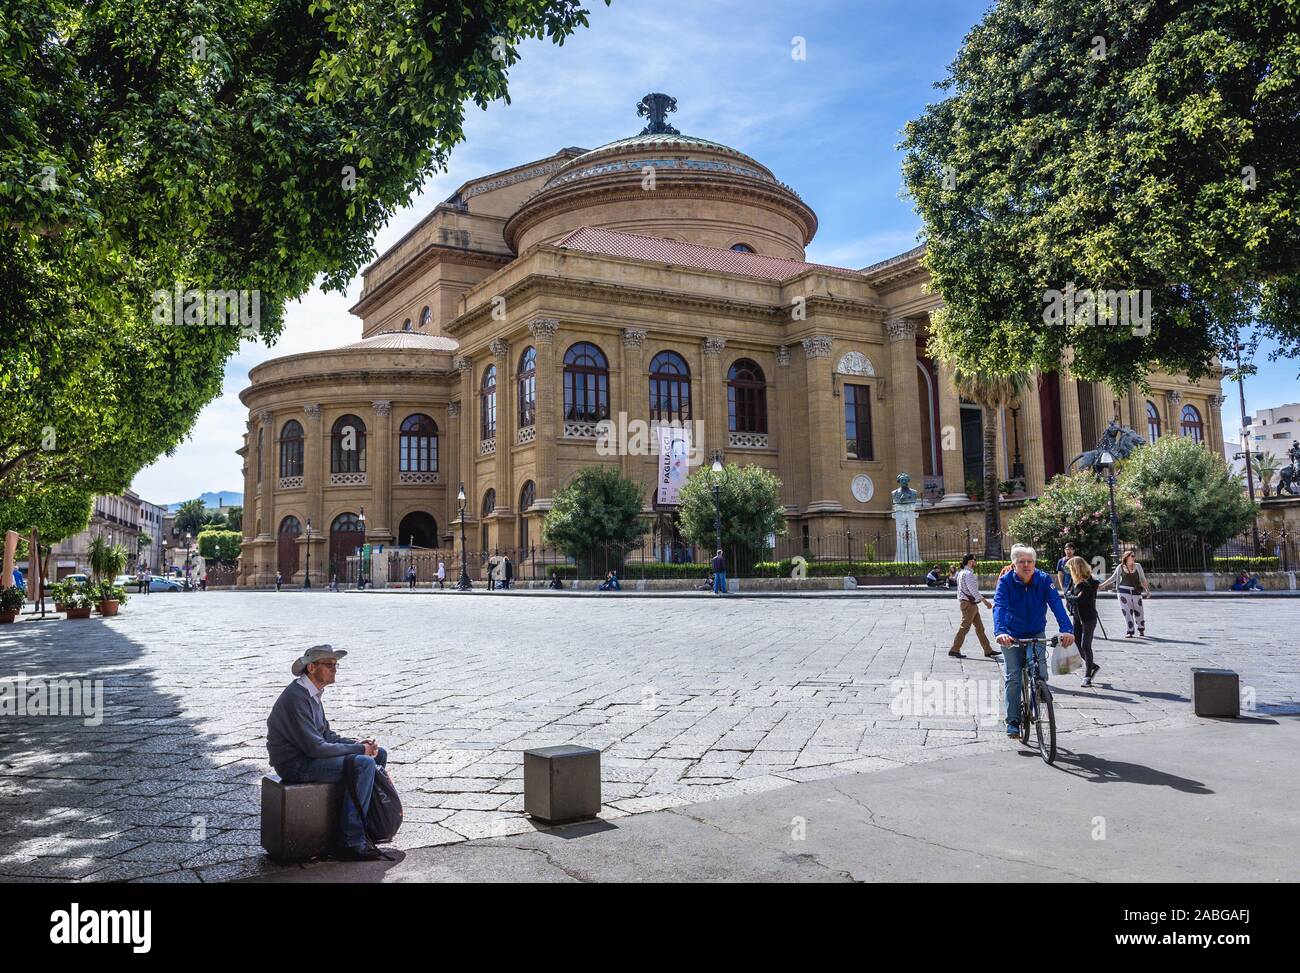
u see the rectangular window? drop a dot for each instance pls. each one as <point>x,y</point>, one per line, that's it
<point>857,421</point>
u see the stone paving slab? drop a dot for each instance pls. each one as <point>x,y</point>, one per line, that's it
<point>689,699</point>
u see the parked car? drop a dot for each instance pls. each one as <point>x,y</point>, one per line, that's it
<point>77,579</point>
<point>123,580</point>
<point>157,583</point>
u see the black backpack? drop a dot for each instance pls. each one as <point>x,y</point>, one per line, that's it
<point>385,814</point>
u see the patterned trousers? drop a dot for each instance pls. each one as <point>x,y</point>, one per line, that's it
<point>1130,602</point>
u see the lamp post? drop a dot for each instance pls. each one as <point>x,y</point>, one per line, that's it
<point>361,571</point>
<point>1107,461</point>
<point>306,581</point>
<point>716,469</point>
<point>187,560</point>
<point>463,582</point>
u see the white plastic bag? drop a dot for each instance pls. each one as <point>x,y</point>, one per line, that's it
<point>1065,659</point>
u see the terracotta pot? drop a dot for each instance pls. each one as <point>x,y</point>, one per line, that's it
<point>7,617</point>
<point>108,607</point>
<point>60,606</point>
<point>78,612</point>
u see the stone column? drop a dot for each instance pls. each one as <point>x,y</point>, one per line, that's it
<point>550,398</point>
<point>1173,412</point>
<point>783,407</point>
<point>507,420</point>
<point>1071,415</point>
<point>822,414</point>
<point>1137,410</point>
<point>950,441</point>
<point>247,551</point>
<point>315,469</point>
<point>266,499</point>
<point>451,453</point>
<point>1031,438</point>
<point>469,447</point>
<point>379,474</point>
<point>715,399</point>
<point>632,384</point>
<point>1214,424</point>
<point>903,405</point>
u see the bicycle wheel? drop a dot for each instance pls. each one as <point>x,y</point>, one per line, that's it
<point>1026,707</point>
<point>1045,725</point>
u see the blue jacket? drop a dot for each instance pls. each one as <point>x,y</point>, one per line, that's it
<point>1020,610</point>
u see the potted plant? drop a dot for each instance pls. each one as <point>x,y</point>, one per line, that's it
<point>11,603</point>
<point>58,592</point>
<point>107,597</point>
<point>77,602</point>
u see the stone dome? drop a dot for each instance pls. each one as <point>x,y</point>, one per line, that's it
<point>407,340</point>
<point>703,192</point>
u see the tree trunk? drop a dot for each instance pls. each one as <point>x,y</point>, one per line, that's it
<point>992,515</point>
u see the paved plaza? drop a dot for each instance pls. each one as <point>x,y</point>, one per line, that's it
<point>690,699</point>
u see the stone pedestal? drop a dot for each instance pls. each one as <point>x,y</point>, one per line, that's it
<point>906,547</point>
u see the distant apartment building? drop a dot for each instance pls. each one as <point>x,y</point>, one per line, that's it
<point>122,519</point>
<point>1272,431</point>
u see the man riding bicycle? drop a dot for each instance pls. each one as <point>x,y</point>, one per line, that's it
<point>1020,612</point>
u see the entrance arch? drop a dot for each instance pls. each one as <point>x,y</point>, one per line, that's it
<point>286,547</point>
<point>346,534</point>
<point>418,529</point>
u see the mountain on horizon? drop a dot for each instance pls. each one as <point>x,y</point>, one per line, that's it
<point>213,501</point>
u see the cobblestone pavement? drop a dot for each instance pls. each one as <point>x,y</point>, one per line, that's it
<point>690,699</point>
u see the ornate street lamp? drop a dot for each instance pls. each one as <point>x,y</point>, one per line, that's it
<point>306,581</point>
<point>187,560</point>
<point>716,469</point>
<point>361,573</point>
<point>463,582</point>
<point>1107,462</point>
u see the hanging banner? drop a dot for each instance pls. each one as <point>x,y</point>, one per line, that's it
<point>674,461</point>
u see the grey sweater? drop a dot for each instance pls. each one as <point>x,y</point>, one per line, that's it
<point>297,729</point>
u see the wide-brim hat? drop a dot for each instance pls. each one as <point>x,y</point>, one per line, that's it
<point>315,654</point>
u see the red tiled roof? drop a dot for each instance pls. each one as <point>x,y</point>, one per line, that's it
<point>616,243</point>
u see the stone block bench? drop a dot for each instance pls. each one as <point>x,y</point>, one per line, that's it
<point>299,821</point>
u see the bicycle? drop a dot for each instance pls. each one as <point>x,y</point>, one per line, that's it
<point>1036,705</point>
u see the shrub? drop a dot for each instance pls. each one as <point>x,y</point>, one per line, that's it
<point>1232,565</point>
<point>221,546</point>
<point>11,599</point>
<point>749,498</point>
<point>1075,509</point>
<point>1185,487</point>
<point>597,510</point>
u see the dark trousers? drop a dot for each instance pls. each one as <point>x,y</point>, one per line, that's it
<point>1083,629</point>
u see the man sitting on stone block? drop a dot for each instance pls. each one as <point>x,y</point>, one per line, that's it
<point>304,749</point>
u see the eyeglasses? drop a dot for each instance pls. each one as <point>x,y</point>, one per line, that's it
<point>328,665</point>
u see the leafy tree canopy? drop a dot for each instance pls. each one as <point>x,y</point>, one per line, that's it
<point>1075,509</point>
<point>173,146</point>
<point>1114,145</point>
<point>750,499</point>
<point>58,513</point>
<point>1185,487</point>
<point>597,508</point>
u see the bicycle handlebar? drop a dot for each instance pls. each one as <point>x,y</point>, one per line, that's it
<point>1054,641</point>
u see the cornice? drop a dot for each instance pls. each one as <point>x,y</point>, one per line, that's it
<point>419,262</point>
<point>323,382</point>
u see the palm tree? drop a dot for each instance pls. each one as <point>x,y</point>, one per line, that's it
<point>990,392</point>
<point>190,516</point>
<point>1265,468</point>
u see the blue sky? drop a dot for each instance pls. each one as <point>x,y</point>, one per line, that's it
<point>826,125</point>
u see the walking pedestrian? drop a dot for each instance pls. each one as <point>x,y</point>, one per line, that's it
<point>492,572</point>
<point>1081,599</point>
<point>1131,582</point>
<point>1062,574</point>
<point>442,573</point>
<point>507,572</point>
<point>410,577</point>
<point>279,580</point>
<point>719,573</point>
<point>970,599</point>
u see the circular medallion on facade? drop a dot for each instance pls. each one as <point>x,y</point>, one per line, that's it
<point>862,487</point>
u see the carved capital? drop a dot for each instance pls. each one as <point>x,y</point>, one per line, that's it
<point>713,346</point>
<point>464,365</point>
<point>312,410</point>
<point>901,329</point>
<point>1218,400</point>
<point>817,346</point>
<point>633,337</point>
<point>499,348</point>
<point>783,356</point>
<point>453,410</point>
<point>382,407</point>
<point>264,416</point>
<point>543,329</point>
<point>1174,396</point>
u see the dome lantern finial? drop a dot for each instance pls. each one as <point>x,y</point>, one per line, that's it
<point>656,107</point>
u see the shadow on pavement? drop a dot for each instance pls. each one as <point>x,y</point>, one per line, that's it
<point>1099,770</point>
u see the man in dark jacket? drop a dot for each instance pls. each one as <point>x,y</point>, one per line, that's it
<point>303,748</point>
<point>719,574</point>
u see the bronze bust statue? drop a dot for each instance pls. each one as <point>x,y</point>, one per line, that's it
<point>904,493</point>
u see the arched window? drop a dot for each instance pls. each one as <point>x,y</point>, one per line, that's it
<point>742,248</point>
<point>418,529</point>
<point>406,325</point>
<point>670,388</point>
<point>1193,428</point>
<point>426,318</point>
<point>290,525</point>
<point>489,502</point>
<point>348,445</point>
<point>487,401</point>
<point>586,384</point>
<point>417,446</point>
<point>527,381</point>
<point>746,397</point>
<point>526,497</point>
<point>259,454</point>
<point>1153,422</point>
<point>291,448</point>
